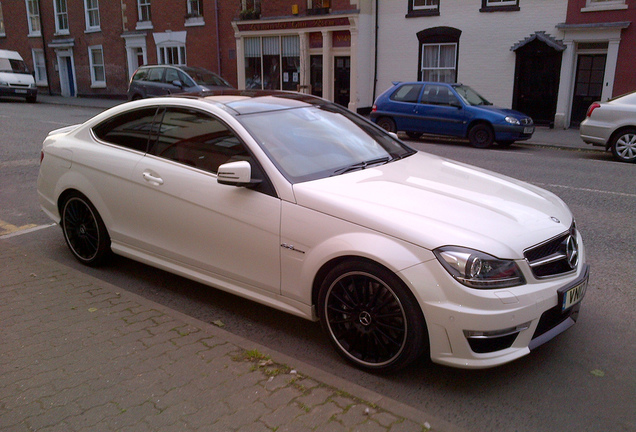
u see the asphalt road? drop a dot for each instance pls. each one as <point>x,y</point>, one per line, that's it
<point>584,380</point>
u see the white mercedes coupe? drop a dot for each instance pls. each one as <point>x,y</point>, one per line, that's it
<point>299,204</point>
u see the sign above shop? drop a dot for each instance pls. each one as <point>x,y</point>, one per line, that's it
<point>294,25</point>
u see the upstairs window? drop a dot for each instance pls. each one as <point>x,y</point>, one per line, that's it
<point>499,5</point>
<point>33,17</point>
<point>98,73</point>
<point>598,5</point>
<point>61,16</point>
<point>422,8</point>
<point>143,7</point>
<point>2,33</point>
<point>91,8</point>
<point>195,8</point>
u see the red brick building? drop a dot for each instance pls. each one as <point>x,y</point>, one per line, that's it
<point>92,47</point>
<point>600,55</point>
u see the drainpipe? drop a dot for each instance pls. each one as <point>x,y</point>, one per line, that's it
<point>218,37</point>
<point>46,60</point>
<point>375,66</point>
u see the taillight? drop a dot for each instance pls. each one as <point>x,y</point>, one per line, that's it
<point>374,108</point>
<point>592,108</point>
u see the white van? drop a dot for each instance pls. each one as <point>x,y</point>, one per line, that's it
<point>15,78</point>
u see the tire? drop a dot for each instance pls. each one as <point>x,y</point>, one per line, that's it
<point>84,230</point>
<point>371,317</point>
<point>387,124</point>
<point>624,145</point>
<point>414,135</point>
<point>481,136</point>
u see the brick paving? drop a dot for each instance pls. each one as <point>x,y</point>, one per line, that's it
<point>78,354</point>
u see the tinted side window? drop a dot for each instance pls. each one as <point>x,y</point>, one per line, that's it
<point>141,74</point>
<point>154,74</point>
<point>186,80</point>
<point>407,93</point>
<point>171,75</point>
<point>129,129</point>
<point>197,139</point>
<point>438,95</point>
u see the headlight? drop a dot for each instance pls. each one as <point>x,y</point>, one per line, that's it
<point>479,270</point>
<point>4,83</point>
<point>512,120</point>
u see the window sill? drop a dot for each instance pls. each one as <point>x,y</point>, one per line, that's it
<point>35,34</point>
<point>93,30</point>
<point>194,21</point>
<point>422,13</point>
<point>500,9</point>
<point>144,25</point>
<point>602,8</point>
<point>98,85</point>
<point>62,33</point>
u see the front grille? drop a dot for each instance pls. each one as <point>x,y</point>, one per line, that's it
<point>555,256</point>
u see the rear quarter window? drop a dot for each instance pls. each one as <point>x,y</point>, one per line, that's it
<point>407,93</point>
<point>130,129</point>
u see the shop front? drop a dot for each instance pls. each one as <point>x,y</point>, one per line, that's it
<point>311,55</point>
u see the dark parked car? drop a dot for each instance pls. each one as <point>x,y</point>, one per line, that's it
<point>449,109</point>
<point>160,80</point>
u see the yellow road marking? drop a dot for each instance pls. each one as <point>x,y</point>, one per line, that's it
<point>7,228</point>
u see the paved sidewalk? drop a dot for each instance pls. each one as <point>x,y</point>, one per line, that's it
<point>79,354</point>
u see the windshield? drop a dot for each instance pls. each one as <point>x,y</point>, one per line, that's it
<point>13,66</point>
<point>203,77</point>
<point>470,96</point>
<point>313,142</point>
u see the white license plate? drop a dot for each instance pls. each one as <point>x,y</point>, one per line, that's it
<point>574,295</point>
<point>20,91</point>
<point>528,130</point>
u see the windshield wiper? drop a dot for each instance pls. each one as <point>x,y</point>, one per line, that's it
<point>362,165</point>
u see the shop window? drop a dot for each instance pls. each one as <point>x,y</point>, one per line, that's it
<point>272,62</point>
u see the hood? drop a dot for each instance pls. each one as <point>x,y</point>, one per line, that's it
<point>503,111</point>
<point>17,78</point>
<point>432,202</point>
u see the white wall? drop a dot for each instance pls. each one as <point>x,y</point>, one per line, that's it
<point>485,60</point>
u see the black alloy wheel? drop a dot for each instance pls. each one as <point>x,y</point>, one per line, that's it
<point>481,136</point>
<point>371,317</point>
<point>84,230</point>
<point>387,124</point>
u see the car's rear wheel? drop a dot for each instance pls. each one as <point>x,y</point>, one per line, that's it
<point>624,145</point>
<point>371,317</point>
<point>387,124</point>
<point>481,135</point>
<point>84,230</point>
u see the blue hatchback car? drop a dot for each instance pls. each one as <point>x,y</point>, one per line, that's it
<point>452,110</point>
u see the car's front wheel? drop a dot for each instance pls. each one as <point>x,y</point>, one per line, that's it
<point>481,135</point>
<point>387,124</point>
<point>371,317</point>
<point>84,230</point>
<point>624,145</point>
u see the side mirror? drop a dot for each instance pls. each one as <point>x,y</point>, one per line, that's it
<point>177,83</point>
<point>236,174</point>
<point>456,104</point>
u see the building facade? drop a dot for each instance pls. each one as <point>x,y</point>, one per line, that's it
<point>600,58</point>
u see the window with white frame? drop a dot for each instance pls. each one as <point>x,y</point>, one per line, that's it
<point>439,62</point>
<point>61,16</point>
<point>272,62</point>
<point>33,17</point>
<point>39,67</point>
<point>195,8</point>
<point>91,8</point>
<point>172,54</point>
<point>422,8</point>
<point>499,5</point>
<point>143,8</point>
<point>605,5</point>
<point>98,70</point>
<point>2,32</point>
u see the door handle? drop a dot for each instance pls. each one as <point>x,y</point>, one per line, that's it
<point>152,178</point>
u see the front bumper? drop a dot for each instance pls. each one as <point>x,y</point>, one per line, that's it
<point>513,132</point>
<point>27,92</point>
<point>477,329</point>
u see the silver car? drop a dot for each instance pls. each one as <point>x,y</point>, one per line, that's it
<point>613,124</point>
